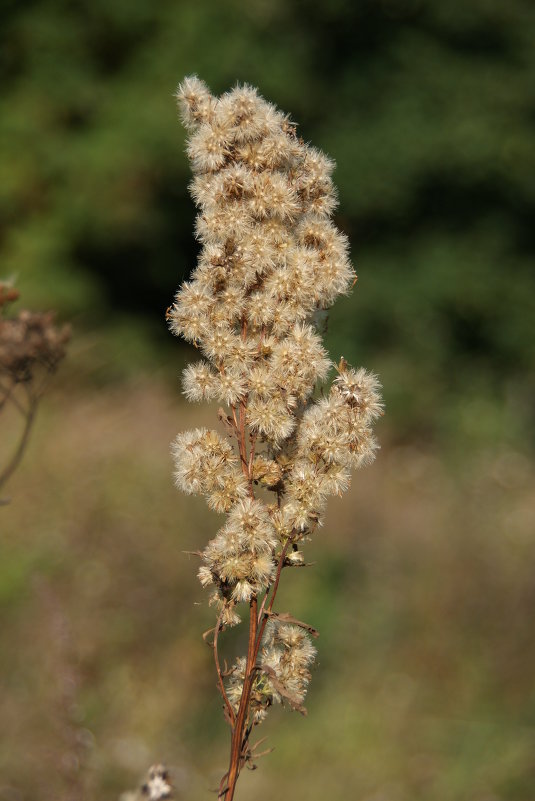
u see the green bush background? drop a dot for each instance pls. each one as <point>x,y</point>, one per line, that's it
<point>423,583</point>
<point>428,109</point>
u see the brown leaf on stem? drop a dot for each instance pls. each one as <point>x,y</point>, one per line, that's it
<point>281,689</point>
<point>206,635</point>
<point>228,424</point>
<point>285,617</point>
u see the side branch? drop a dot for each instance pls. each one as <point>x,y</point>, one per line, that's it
<point>264,613</point>
<point>13,463</point>
<point>243,711</point>
<point>228,707</point>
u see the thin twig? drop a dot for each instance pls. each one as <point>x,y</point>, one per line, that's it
<point>263,604</point>
<point>19,452</point>
<point>262,622</point>
<point>230,711</point>
<point>252,453</point>
<point>241,718</point>
<point>242,444</point>
<point>243,710</point>
<point>14,400</point>
<point>233,410</point>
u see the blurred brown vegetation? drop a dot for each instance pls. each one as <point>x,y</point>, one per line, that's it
<point>31,348</point>
<point>422,589</point>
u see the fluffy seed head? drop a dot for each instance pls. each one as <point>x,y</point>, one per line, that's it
<point>271,262</point>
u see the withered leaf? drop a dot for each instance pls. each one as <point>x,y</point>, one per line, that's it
<point>285,617</point>
<point>206,635</point>
<point>281,689</point>
<point>227,422</point>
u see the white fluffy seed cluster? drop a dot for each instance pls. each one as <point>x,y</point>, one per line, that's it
<point>271,260</point>
<point>206,464</point>
<point>284,670</point>
<point>270,257</point>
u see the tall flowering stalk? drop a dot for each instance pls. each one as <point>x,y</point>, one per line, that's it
<point>271,262</point>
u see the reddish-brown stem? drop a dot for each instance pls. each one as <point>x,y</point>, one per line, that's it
<point>233,408</point>
<point>11,466</point>
<point>228,706</point>
<point>278,575</point>
<point>242,444</point>
<point>252,454</point>
<point>275,584</point>
<point>263,605</point>
<point>236,750</point>
<point>263,616</point>
<point>240,732</point>
<point>257,624</point>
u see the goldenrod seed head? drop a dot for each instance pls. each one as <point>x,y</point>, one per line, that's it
<point>271,263</point>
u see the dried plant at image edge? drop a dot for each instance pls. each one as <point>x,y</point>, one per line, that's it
<point>31,347</point>
<point>156,787</point>
<point>271,262</point>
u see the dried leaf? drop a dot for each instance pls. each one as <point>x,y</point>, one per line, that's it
<point>227,422</point>
<point>206,635</point>
<point>285,617</point>
<point>281,689</point>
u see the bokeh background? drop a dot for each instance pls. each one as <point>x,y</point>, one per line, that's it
<point>423,586</point>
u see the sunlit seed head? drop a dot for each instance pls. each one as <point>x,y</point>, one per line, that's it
<point>263,569</point>
<point>361,389</point>
<point>228,489</point>
<point>271,262</point>
<point>205,576</point>
<point>195,102</point>
<point>295,558</point>
<point>208,148</point>
<point>229,387</point>
<point>262,382</point>
<point>242,112</point>
<point>270,418</point>
<point>267,471</point>
<point>199,382</point>
<point>242,591</point>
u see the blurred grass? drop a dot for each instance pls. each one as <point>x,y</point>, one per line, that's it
<point>422,589</point>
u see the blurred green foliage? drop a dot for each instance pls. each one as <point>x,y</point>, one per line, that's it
<point>428,109</point>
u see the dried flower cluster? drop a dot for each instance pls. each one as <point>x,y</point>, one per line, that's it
<point>156,786</point>
<point>271,261</point>
<point>31,347</point>
<point>29,342</point>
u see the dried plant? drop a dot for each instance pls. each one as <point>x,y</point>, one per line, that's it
<point>31,347</point>
<point>156,786</point>
<point>271,263</point>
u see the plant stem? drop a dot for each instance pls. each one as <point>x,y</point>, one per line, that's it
<point>17,456</point>
<point>263,616</point>
<point>228,707</point>
<point>257,624</point>
<point>239,721</point>
<point>243,710</point>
